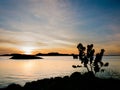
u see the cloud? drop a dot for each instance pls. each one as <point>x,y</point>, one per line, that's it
<point>48,18</point>
<point>57,24</point>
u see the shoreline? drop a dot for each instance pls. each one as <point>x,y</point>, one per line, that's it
<point>76,81</point>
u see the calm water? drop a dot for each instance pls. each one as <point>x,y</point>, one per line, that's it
<point>22,71</point>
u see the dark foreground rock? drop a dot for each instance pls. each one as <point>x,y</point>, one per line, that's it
<point>74,82</point>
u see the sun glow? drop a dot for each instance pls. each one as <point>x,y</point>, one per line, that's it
<point>28,67</point>
<point>27,50</point>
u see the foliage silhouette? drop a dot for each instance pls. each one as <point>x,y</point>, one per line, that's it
<point>88,58</point>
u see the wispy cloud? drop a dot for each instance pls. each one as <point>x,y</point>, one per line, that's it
<point>58,23</point>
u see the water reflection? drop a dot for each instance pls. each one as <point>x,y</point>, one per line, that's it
<point>21,71</point>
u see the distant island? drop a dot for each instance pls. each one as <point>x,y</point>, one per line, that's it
<point>23,56</point>
<point>53,54</point>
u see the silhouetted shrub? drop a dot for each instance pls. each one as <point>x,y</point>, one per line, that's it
<point>88,58</point>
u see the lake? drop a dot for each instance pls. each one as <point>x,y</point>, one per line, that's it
<point>22,71</point>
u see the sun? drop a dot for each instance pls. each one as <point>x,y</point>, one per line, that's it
<point>27,50</point>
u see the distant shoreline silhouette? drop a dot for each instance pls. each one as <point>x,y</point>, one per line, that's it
<point>40,54</point>
<point>48,54</point>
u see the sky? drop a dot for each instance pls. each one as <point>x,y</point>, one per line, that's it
<point>42,26</point>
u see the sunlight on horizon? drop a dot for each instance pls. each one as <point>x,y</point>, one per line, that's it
<point>27,50</point>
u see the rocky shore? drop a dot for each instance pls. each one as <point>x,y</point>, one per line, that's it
<point>76,81</point>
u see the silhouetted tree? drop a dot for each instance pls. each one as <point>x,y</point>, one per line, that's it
<point>81,52</point>
<point>88,58</point>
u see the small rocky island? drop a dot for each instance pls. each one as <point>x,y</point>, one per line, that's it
<point>24,56</point>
